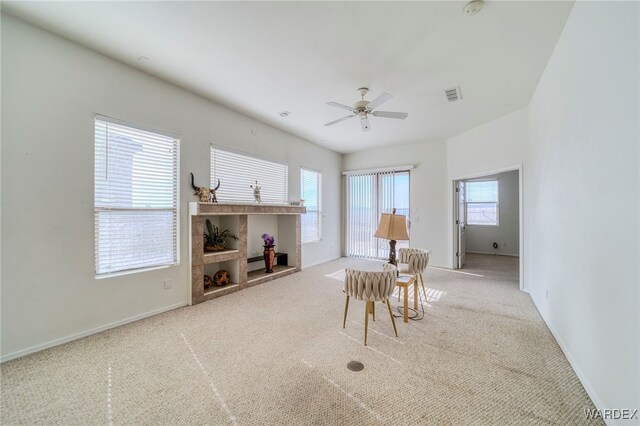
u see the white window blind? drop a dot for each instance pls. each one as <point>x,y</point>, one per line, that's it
<point>136,198</point>
<point>237,172</point>
<point>482,203</point>
<point>311,191</point>
<point>368,196</point>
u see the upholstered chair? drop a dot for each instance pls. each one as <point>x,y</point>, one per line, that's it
<point>371,287</point>
<point>414,261</point>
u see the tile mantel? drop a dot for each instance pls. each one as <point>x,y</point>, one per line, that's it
<point>198,209</point>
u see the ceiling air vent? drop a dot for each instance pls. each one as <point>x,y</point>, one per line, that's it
<point>453,95</point>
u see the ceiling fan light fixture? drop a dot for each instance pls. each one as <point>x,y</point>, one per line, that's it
<point>364,123</point>
<point>364,108</point>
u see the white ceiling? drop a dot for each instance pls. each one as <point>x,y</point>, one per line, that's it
<point>261,58</point>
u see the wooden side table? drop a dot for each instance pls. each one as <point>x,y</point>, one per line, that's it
<point>404,281</point>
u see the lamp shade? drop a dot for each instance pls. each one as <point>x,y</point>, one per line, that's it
<point>392,227</point>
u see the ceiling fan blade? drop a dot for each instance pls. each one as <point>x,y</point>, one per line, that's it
<point>364,122</point>
<point>335,104</point>
<point>379,100</point>
<point>339,120</point>
<point>390,114</point>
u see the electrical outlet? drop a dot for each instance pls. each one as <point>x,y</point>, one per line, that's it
<point>167,284</point>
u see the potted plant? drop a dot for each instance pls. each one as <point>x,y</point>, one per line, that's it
<point>269,252</point>
<point>216,240</point>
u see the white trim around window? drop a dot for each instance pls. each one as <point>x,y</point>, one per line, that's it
<point>136,193</point>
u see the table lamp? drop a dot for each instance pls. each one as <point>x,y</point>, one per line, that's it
<point>392,227</point>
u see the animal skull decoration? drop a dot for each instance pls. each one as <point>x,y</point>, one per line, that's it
<point>205,195</point>
<point>256,193</point>
<point>221,278</point>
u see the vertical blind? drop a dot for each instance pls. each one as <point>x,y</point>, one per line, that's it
<point>311,191</point>
<point>368,196</point>
<point>237,172</point>
<point>136,198</point>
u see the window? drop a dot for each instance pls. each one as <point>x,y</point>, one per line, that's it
<point>482,203</point>
<point>311,191</point>
<point>237,172</point>
<point>368,196</point>
<point>136,198</point>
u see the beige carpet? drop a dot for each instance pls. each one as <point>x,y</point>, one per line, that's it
<point>276,354</point>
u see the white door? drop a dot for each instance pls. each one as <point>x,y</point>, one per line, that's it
<point>461,222</point>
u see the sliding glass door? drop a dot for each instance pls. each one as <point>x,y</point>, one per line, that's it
<point>368,196</point>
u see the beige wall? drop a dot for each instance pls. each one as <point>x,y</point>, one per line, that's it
<point>492,147</point>
<point>483,150</point>
<point>51,89</point>
<point>427,189</point>
<point>583,198</point>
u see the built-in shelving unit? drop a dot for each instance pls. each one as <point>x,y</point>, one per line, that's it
<point>221,256</point>
<point>260,276</point>
<point>220,291</point>
<point>234,259</point>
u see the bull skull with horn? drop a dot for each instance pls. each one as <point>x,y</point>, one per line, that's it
<point>205,195</point>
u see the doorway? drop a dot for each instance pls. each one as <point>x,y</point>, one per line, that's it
<point>488,221</point>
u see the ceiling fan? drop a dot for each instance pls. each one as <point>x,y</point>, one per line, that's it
<point>364,108</point>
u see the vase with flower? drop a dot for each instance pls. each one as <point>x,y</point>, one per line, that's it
<point>269,252</point>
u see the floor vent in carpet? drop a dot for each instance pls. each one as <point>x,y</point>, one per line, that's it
<point>355,366</point>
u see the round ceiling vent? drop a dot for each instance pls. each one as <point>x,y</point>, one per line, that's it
<point>473,7</point>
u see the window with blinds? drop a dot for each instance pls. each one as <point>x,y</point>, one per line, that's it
<point>482,203</point>
<point>368,196</point>
<point>238,172</point>
<point>136,198</point>
<point>311,192</point>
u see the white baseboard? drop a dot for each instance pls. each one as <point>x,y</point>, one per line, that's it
<point>497,253</point>
<point>76,336</point>
<point>320,262</point>
<point>583,379</point>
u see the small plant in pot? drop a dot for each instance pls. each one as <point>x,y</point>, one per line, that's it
<point>216,240</point>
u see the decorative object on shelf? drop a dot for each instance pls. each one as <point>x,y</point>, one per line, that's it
<point>301,203</point>
<point>221,278</point>
<point>296,202</point>
<point>216,240</point>
<point>205,195</point>
<point>392,227</point>
<point>269,252</point>
<point>207,281</point>
<point>256,193</point>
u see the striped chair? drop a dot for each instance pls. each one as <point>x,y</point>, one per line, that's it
<point>414,261</point>
<point>371,287</point>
